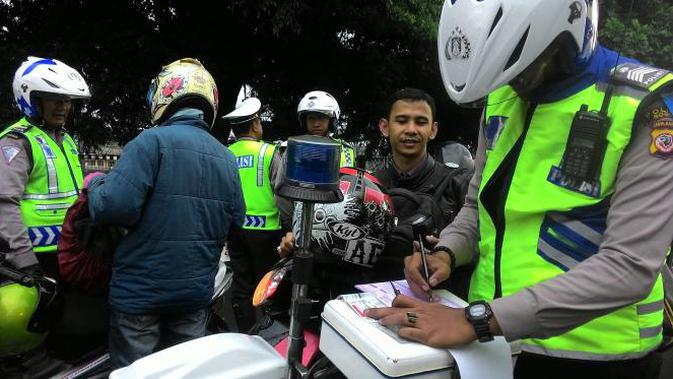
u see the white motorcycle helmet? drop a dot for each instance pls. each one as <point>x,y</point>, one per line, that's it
<point>483,45</point>
<point>37,76</point>
<point>319,102</point>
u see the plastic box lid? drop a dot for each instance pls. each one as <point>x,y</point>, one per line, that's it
<point>381,346</point>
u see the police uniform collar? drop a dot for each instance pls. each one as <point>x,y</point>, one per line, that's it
<point>596,70</point>
<point>247,110</point>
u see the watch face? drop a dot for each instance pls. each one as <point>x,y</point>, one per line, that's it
<point>477,310</point>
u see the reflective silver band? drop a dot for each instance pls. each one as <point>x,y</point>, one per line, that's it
<point>47,207</point>
<point>536,349</point>
<point>260,165</point>
<point>644,309</point>
<point>579,228</point>
<point>52,177</point>
<point>556,255</point>
<point>651,332</point>
<point>349,158</point>
<point>51,196</point>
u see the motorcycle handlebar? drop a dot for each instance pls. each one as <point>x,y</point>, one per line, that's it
<point>16,276</point>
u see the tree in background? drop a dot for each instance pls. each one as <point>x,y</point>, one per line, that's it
<point>359,50</point>
<point>640,29</point>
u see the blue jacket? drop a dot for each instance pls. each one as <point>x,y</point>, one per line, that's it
<point>177,190</point>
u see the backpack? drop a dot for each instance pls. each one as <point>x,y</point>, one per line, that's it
<point>85,249</point>
<point>409,206</point>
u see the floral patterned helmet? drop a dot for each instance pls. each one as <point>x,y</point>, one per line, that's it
<point>183,83</point>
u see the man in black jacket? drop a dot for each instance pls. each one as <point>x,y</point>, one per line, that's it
<point>409,126</point>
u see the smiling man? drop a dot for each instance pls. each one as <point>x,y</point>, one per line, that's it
<point>409,126</point>
<point>40,173</point>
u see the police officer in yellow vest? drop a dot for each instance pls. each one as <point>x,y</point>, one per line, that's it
<point>318,113</point>
<point>252,249</point>
<point>40,172</point>
<point>570,211</point>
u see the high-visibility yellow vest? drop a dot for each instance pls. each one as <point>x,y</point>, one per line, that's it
<point>53,185</point>
<point>254,163</point>
<point>347,158</point>
<point>544,225</point>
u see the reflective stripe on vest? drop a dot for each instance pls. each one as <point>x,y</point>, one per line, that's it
<point>52,177</point>
<point>347,158</point>
<point>260,167</point>
<point>51,196</point>
<point>253,159</point>
<point>50,189</point>
<point>254,222</point>
<point>42,236</point>
<point>546,226</point>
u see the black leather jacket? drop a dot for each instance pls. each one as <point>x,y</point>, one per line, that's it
<point>429,177</point>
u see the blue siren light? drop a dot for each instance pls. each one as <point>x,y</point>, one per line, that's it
<point>312,170</point>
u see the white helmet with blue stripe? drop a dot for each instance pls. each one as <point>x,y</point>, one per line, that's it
<point>41,75</point>
<point>484,44</point>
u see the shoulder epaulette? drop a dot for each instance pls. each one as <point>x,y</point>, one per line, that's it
<point>16,131</point>
<point>20,129</point>
<point>638,75</point>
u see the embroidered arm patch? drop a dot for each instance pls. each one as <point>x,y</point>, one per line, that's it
<point>660,119</point>
<point>10,152</point>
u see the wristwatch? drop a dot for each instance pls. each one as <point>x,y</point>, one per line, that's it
<point>479,313</point>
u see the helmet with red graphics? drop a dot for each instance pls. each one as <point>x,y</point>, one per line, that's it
<point>354,230</point>
<point>183,83</point>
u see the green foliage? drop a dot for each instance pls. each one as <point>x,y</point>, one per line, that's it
<point>423,15</point>
<point>642,31</point>
<point>359,50</point>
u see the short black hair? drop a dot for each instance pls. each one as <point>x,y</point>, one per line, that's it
<point>412,94</point>
<point>242,129</point>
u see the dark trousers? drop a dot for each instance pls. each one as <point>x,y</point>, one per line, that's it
<point>79,322</point>
<point>135,336</point>
<point>49,265</point>
<point>535,366</point>
<point>252,254</point>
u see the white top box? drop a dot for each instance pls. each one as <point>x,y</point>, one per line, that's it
<point>362,348</point>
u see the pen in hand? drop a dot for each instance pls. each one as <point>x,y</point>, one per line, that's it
<point>397,292</point>
<point>422,226</point>
<point>426,273</point>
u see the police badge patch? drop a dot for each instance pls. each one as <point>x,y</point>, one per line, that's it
<point>661,122</point>
<point>10,152</point>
